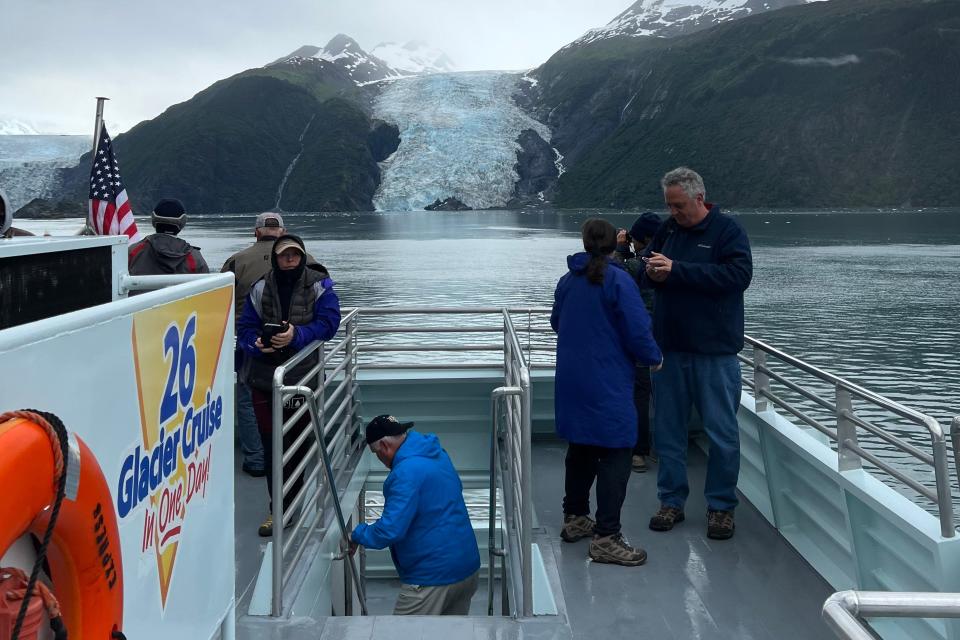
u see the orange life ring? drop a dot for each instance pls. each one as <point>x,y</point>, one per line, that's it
<point>84,553</point>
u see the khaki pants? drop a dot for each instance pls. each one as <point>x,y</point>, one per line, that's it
<point>445,600</point>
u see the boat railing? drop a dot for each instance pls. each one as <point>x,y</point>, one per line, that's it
<point>844,610</point>
<point>472,337</point>
<point>849,421</point>
<point>326,452</point>
<point>510,460</point>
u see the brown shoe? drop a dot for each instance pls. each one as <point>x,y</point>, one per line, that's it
<point>616,550</point>
<point>665,518</point>
<point>266,529</point>
<point>576,528</point>
<point>639,464</point>
<point>720,524</point>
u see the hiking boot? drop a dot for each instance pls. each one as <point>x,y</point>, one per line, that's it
<point>616,550</point>
<point>720,524</point>
<point>665,518</point>
<point>639,464</point>
<point>266,529</point>
<point>576,528</point>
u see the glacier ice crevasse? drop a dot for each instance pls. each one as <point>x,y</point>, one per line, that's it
<point>458,137</point>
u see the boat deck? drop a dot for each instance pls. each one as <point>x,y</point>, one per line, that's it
<point>753,586</point>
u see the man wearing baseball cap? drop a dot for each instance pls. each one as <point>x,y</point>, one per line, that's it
<point>424,522</point>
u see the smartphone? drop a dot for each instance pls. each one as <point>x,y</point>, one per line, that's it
<point>269,330</point>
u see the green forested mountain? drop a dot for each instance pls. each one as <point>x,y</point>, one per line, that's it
<point>840,103</point>
<point>229,147</point>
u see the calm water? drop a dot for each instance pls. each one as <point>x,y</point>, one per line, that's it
<point>871,296</point>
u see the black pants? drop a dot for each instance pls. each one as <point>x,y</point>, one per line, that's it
<point>611,468</point>
<point>263,409</point>
<point>641,399</point>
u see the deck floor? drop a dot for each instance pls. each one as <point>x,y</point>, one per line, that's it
<point>753,586</point>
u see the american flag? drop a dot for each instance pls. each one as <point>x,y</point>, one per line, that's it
<point>110,213</point>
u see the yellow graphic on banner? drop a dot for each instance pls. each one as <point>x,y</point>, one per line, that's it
<point>176,349</point>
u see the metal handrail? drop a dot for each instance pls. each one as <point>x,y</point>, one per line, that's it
<point>329,441</point>
<point>849,452</point>
<point>493,550</point>
<point>316,419</point>
<point>512,461</point>
<point>843,610</point>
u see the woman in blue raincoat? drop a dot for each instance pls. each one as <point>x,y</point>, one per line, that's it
<point>603,332</point>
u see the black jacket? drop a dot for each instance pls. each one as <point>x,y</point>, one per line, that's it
<point>699,307</point>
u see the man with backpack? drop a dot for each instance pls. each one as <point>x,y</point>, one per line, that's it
<point>163,252</point>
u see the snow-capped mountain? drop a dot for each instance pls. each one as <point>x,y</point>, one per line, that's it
<point>362,66</point>
<point>414,58</point>
<point>669,18</point>
<point>388,59</point>
<point>15,127</point>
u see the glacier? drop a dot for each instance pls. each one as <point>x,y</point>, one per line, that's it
<point>29,164</point>
<point>458,137</point>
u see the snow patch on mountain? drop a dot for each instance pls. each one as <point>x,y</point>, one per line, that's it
<point>15,127</point>
<point>669,18</point>
<point>414,58</point>
<point>387,61</point>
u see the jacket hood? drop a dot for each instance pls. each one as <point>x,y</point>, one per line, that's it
<point>423,445</point>
<point>7,219</point>
<point>169,248</point>
<point>578,262</point>
<point>287,236</point>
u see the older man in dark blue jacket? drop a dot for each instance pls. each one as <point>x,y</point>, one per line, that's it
<point>424,522</point>
<point>699,264</point>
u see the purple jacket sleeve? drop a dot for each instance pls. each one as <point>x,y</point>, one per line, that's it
<point>248,329</point>
<point>326,319</point>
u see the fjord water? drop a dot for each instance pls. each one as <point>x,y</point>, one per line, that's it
<point>871,296</point>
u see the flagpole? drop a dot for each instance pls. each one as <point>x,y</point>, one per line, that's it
<point>98,123</point>
<point>97,126</point>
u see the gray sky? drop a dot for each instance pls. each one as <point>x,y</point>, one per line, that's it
<point>57,55</point>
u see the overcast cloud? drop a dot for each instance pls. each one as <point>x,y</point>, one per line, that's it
<point>57,55</point>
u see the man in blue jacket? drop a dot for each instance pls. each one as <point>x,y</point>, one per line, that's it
<point>699,265</point>
<point>424,522</point>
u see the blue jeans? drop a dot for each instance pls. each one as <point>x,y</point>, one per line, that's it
<point>712,384</point>
<point>250,444</point>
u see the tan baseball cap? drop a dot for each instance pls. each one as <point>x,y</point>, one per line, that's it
<point>284,244</point>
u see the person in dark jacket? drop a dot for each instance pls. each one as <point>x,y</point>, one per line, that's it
<point>631,247</point>
<point>700,264</point>
<point>424,522</point>
<point>603,332</point>
<point>300,298</point>
<point>163,252</point>
<point>248,266</point>
<point>7,230</point>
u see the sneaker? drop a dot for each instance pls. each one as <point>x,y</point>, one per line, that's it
<point>639,464</point>
<point>576,528</point>
<point>665,518</point>
<point>256,472</point>
<point>616,550</point>
<point>720,524</point>
<point>266,529</point>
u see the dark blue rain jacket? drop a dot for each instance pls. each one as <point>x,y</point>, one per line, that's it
<point>424,521</point>
<point>603,332</point>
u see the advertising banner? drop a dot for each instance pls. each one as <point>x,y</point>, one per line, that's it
<point>150,391</point>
